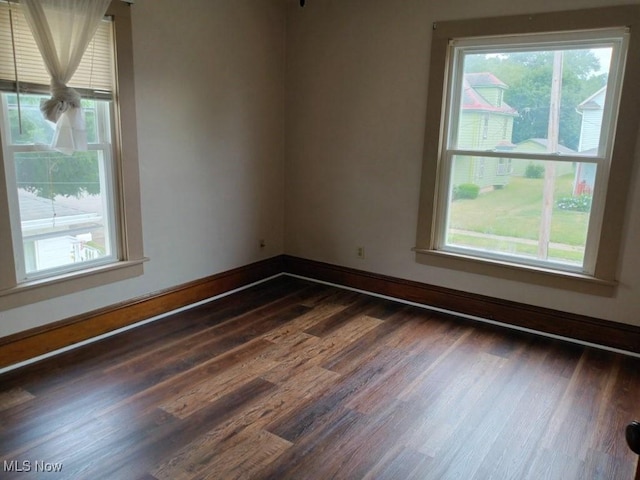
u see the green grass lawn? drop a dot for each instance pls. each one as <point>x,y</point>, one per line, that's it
<point>514,211</point>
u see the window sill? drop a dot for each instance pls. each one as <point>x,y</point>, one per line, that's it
<point>521,273</point>
<point>67,283</point>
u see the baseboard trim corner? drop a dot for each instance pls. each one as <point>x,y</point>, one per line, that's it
<point>614,335</point>
<point>44,340</point>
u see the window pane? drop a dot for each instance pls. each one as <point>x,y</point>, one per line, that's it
<point>63,208</point>
<point>506,97</point>
<point>495,207</point>
<point>89,107</point>
<point>33,129</point>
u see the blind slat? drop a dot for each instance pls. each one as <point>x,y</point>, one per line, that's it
<point>95,71</point>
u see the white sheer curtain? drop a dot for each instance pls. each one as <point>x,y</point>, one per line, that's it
<point>62,30</point>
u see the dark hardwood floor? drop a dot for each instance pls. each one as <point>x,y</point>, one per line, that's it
<point>295,380</point>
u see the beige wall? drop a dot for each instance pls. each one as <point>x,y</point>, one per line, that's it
<point>210,109</point>
<point>356,95</point>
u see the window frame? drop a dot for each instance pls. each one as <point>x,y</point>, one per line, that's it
<point>602,280</point>
<point>618,38</point>
<point>105,148</point>
<point>130,259</point>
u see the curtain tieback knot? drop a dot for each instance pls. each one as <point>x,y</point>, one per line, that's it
<point>63,98</point>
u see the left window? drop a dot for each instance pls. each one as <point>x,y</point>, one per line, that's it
<point>61,206</point>
<point>63,215</point>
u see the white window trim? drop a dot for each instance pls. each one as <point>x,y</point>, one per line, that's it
<point>602,280</point>
<point>127,186</point>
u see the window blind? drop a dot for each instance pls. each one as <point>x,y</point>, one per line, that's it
<point>95,72</point>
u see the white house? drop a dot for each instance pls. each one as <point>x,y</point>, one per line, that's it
<point>591,110</point>
<point>56,237</point>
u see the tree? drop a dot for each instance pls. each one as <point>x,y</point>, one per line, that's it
<point>44,172</point>
<point>528,76</point>
<point>48,174</point>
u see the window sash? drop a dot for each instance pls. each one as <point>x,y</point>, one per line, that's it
<point>617,39</point>
<point>594,226</point>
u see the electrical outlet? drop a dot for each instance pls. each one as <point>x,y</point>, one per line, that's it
<point>360,253</point>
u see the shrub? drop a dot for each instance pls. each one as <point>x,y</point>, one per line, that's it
<point>534,171</point>
<point>466,190</point>
<point>580,203</point>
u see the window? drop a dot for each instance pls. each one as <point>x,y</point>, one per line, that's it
<point>553,87</point>
<point>64,223</point>
<point>64,202</point>
<point>480,170</point>
<point>504,167</point>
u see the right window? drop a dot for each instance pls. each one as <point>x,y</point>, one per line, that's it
<point>558,97</point>
<point>527,150</point>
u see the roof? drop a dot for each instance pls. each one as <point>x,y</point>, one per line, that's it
<point>473,100</point>
<point>544,142</point>
<point>37,212</point>
<point>591,152</point>
<point>594,102</point>
<point>484,79</point>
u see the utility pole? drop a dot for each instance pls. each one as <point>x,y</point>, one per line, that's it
<point>550,166</point>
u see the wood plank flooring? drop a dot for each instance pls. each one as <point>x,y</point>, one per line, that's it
<point>295,380</point>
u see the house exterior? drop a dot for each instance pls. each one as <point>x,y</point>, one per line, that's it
<point>55,238</point>
<point>486,123</point>
<point>539,145</point>
<point>591,111</point>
